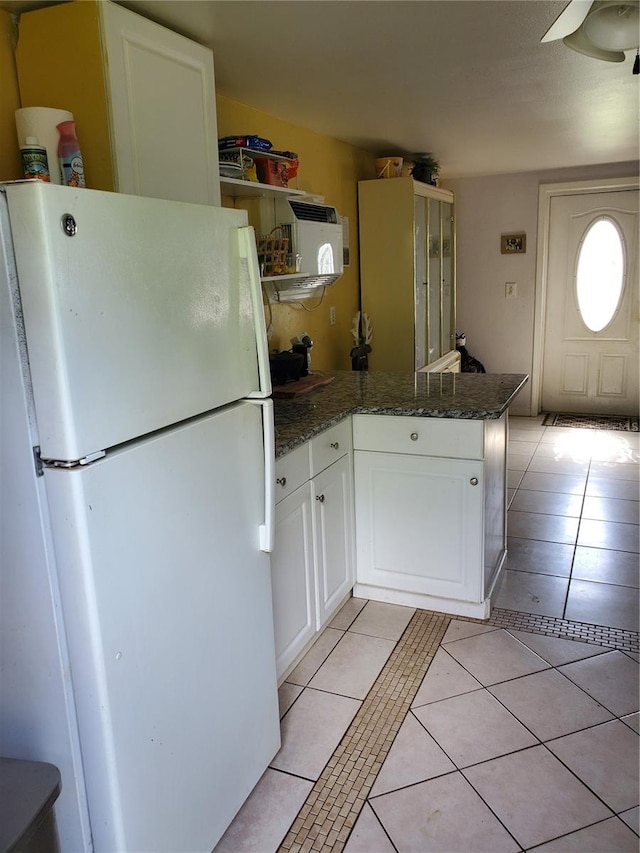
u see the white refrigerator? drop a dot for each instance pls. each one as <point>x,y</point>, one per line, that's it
<point>136,433</point>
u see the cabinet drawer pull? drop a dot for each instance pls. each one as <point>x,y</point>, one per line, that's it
<point>414,436</point>
<point>335,445</point>
<point>474,481</point>
<point>320,498</point>
<point>281,481</point>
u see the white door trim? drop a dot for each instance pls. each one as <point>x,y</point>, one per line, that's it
<point>545,193</point>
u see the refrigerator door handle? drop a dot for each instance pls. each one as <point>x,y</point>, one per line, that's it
<point>267,529</point>
<point>248,251</point>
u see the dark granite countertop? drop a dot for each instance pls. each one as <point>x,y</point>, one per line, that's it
<point>474,396</point>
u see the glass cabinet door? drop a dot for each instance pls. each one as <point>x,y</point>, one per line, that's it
<point>447,330</point>
<point>421,217</point>
<point>434,349</point>
<point>434,280</point>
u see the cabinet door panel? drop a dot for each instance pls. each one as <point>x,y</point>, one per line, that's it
<point>333,517</point>
<point>419,524</point>
<point>421,282</point>
<point>434,274</point>
<point>292,577</point>
<point>448,336</point>
<point>163,122</point>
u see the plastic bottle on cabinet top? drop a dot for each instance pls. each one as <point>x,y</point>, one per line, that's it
<point>35,165</point>
<point>71,164</point>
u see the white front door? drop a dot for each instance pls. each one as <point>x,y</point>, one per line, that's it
<point>590,360</point>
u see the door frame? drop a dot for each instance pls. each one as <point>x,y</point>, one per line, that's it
<point>545,193</point>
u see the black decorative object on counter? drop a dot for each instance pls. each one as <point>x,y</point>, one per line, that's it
<point>468,364</point>
<point>360,357</point>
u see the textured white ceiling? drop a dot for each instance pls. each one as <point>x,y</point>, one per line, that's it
<point>467,80</point>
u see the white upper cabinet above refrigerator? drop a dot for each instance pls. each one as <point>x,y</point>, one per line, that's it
<point>142,96</point>
<point>163,112</point>
<point>138,312</point>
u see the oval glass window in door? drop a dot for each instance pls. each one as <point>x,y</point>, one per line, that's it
<point>600,274</point>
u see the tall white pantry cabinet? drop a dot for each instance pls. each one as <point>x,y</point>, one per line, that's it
<point>142,96</point>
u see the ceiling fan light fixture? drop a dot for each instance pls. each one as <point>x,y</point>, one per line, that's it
<point>612,25</point>
<point>579,42</point>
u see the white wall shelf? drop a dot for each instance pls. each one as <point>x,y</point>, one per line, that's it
<point>285,277</point>
<point>238,188</point>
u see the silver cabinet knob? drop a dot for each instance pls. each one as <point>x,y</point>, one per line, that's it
<point>335,445</point>
<point>320,498</point>
<point>474,481</point>
<point>281,481</point>
<point>414,436</point>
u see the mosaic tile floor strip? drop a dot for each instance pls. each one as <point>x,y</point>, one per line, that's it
<point>591,422</point>
<point>331,809</point>
<point>614,638</point>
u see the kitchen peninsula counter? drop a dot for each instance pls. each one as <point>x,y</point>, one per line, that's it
<point>473,396</point>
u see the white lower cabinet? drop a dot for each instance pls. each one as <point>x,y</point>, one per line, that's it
<point>312,565</point>
<point>428,530</point>
<point>430,511</point>
<point>419,523</point>
<point>293,577</point>
<point>332,493</point>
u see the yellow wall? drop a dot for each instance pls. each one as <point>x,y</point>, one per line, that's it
<point>68,36</point>
<point>9,102</point>
<point>331,169</point>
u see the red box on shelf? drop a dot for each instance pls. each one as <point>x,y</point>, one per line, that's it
<point>273,172</point>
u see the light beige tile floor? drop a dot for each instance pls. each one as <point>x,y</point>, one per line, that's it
<point>548,758</point>
<point>515,740</point>
<point>573,524</point>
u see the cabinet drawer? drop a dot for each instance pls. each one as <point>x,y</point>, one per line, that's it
<point>447,437</point>
<point>292,470</point>
<point>330,445</point>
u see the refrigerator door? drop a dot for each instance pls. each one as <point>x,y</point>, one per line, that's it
<point>167,603</point>
<point>138,312</point>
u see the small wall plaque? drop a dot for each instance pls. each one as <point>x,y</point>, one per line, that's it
<point>513,244</point>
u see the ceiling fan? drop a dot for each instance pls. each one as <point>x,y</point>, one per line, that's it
<point>603,29</point>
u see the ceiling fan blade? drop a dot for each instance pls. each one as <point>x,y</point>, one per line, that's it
<point>568,20</point>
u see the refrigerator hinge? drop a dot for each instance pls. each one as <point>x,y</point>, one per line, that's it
<point>37,461</point>
<point>67,464</point>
